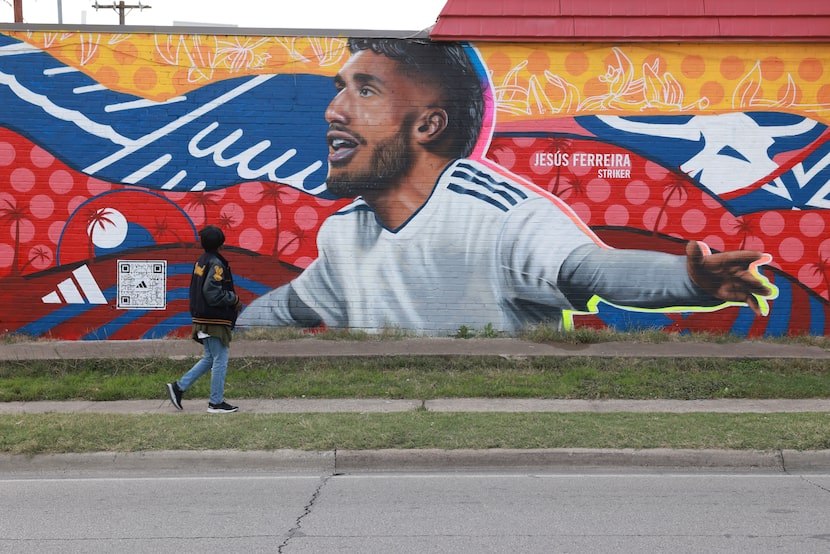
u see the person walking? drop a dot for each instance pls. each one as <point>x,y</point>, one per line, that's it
<point>214,306</point>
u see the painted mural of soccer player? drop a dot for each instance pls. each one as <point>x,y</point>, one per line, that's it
<point>437,239</point>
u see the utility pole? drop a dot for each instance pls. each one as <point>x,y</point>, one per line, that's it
<point>18,11</point>
<point>120,7</point>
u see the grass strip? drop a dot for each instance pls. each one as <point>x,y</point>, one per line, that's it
<point>31,434</point>
<point>426,377</point>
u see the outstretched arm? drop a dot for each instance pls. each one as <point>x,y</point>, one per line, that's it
<point>649,279</point>
<point>636,278</point>
<point>730,276</point>
<point>279,307</point>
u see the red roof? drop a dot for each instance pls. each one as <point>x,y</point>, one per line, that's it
<point>634,20</point>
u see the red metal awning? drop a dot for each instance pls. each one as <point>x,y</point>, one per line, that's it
<point>634,20</point>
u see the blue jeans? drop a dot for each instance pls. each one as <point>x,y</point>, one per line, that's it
<point>215,360</point>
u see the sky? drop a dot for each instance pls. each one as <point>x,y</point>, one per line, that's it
<point>384,15</point>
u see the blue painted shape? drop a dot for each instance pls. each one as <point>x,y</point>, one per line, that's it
<point>259,128</point>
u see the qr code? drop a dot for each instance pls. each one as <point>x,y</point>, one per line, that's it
<point>142,284</point>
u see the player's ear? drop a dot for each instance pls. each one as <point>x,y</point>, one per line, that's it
<point>430,125</point>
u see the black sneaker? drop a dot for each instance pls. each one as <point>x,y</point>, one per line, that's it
<point>175,395</point>
<point>222,408</point>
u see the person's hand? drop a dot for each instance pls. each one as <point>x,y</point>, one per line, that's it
<point>730,276</point>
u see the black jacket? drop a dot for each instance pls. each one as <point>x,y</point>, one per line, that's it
<point>213,300</point>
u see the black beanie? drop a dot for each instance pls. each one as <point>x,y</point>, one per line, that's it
<point>212,238</point>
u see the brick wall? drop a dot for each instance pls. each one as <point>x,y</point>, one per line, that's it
<point>116,148</point>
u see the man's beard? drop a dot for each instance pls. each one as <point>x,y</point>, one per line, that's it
<point>391,160</point>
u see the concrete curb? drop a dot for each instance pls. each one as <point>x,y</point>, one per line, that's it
<point>202,462</point>
<point>556,459</point>
<point>137,464</point>
<point>577,459</point>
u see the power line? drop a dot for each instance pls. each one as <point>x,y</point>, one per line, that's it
<point>121,8</point>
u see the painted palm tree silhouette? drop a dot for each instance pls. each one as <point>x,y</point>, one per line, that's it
<point>558,144</point>
<point>99,217</point>
<point>299,236</point>
<point>821,267</point>
<point>272,192</point>
<point>201,200</point>
<point>14,214</point>
<point>675,187</point>
<point>162,228</point>
<point>39,253</point>
<point>576,188</point>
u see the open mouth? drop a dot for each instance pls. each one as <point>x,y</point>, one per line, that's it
<point>341,148</point>
<point>342,145</point>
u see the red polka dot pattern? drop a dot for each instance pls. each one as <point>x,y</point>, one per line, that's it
<point>657,200</point>
<point>44,195</point>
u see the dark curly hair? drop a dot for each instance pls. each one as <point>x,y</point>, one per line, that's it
<point>211,238</point>
<point>447,67</point>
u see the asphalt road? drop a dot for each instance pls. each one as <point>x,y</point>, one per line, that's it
<point>549,501</point>
<point>376,512</point>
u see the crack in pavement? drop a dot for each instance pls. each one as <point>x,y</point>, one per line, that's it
<point>816,485</point>
<point>298,524</point>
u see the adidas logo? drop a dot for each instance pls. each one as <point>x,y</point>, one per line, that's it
<point>81,288</point>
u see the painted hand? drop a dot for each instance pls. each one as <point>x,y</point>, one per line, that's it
<point>730,276</point>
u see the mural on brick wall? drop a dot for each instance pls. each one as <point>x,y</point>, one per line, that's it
<point>682,187</point>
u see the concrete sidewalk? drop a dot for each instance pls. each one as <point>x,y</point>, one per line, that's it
<point>334,462</point>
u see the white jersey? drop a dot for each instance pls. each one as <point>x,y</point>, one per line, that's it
<point>476,251</point>
<point>482,251</point>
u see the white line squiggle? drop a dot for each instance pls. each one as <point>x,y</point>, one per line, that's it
<point>139,104</point>
<point>148,139</point>
<point>72,116</point>
<point>18,49</point>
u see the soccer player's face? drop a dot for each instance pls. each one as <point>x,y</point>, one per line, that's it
<point>371,120</point>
